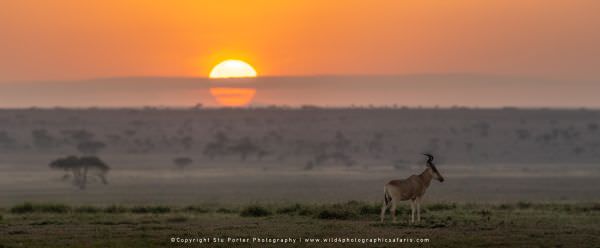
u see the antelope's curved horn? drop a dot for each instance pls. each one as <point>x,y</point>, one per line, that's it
<point>429,157</point>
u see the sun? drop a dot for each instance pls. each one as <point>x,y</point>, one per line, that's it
<point>232,68</point>
<point>232,93</point>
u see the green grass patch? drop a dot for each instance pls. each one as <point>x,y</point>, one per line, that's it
<point>291,209</point>
<point>177,219</point>
<point>524,205</point>
<point>336,214</point>
<point>87,209</point>
<point>29,207</point>
<point>447,225</point>
<point>196,209</point>
<point>370,209</point>
<point>441,206</point>
<point>504,206</point>
<point>255,211</point>
<point>150,209</point>
<point>115,209</point>
<point>296,209</point>
<point>227,211</point>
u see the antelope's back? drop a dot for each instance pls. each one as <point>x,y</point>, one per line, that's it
<point>407,189</point>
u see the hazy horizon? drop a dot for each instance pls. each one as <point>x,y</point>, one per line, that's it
<point>413,90</point>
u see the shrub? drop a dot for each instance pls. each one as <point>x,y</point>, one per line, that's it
<point>505,206</point>
<point>370,209</point>
<point>226,211</point>
<point>584,207</point>
<point>150,209</point>
<point>338,214</point>
<point>196,209</point>
<point>441,206</point>
<point>54,208</point>
<point>595,207</point>
<point>292,209</point>
<point>298,209</point>
<point>28,207</point>
<point>255,211</point>
<point>484,212</point>
<point>177,219</point>
<point>523,205</point>
<point>87,209</point>
<point>306,211</point>
<point>113,209</point>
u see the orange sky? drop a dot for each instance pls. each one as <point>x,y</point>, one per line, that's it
<point>74,39</point>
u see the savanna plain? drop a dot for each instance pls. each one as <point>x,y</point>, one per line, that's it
<point>514,177</point>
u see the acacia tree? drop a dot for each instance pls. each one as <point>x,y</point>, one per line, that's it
<point>246,147</point>
<point>79,167</point>
<point>218,147</point>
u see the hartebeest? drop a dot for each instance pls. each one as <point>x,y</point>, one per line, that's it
<point>412,188</point>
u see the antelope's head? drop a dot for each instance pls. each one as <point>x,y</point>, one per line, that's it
<point>436,173</point>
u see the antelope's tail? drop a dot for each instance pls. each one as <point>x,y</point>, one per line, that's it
<point>386,196</point>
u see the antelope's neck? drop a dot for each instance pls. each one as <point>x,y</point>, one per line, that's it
<point>426,176</point>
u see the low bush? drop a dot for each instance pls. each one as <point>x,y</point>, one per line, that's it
<point>54,208</point>
<point>28,207</point>
<point>196,209</point>
<point>292,209</point>
<point>177,219</point>
<point>505,206</point>
<point>150,209</point>
<point>370,209</point>
<point>226,211</point>
<point>255,211</point>
<point>589,208</point>
<point>87,209</point>
<point>523,205</point>
<point>441,206</point>
<point>114,209</point>
<point>337,214</point>
<point>297,209</point>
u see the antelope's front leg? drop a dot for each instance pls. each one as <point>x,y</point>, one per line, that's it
<point>412,211</point>
<point>418,210</point>
<point>393,211</point>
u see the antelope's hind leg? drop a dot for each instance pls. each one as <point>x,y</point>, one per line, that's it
<point>383,209</point>
<point>393,211</point>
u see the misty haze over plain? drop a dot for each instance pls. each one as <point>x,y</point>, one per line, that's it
<point>304,154</point>
<point>428,90</point>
